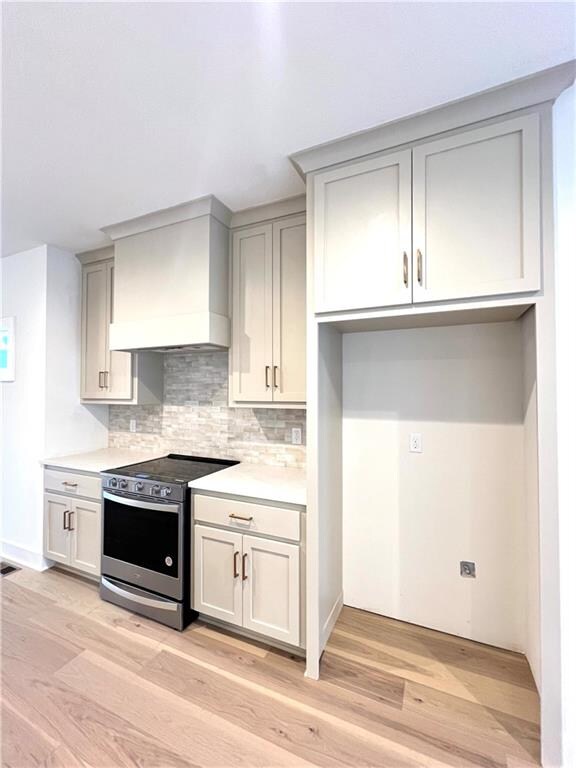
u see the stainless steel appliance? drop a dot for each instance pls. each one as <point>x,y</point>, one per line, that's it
<point>146,534</point>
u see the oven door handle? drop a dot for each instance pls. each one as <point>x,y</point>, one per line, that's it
<point>165,605</point>
<point>141,504</point>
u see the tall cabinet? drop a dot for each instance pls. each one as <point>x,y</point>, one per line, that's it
<point>269,313</point>
<point>107,375</point>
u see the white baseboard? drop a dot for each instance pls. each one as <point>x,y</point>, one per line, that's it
<point>331,620</point>
<point>22,556</point>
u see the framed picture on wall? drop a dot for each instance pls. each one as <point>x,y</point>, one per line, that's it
<point>7,349</point>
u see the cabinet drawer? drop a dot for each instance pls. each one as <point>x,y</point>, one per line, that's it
<point>249,518</point>
<point>89,486</point>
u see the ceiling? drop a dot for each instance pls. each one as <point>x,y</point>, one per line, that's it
<point>113,110</point>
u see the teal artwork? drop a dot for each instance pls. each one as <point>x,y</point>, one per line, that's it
<point>7,352</point>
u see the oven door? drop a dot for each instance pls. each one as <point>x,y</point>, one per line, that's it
<point>142,543</point>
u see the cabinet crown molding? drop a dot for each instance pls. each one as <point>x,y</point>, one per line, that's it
<point>268,211</point>
<point>538,88</point>
<point>202,206</point>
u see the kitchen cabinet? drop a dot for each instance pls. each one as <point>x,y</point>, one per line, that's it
<point>268,356</point>
<point>249,581</point>
<point>362,234</point>
<point>72,525</point>
<point>451,218</point>
<point>476,198</point>
<point>217,583</point>
<point>270,595</point>
<point>107,375</point>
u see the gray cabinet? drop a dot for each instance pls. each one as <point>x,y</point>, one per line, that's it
<point>107,375</point>
<point>268,356</point>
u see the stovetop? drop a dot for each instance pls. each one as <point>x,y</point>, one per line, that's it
<point>174,468</point>
<point>166,478</point>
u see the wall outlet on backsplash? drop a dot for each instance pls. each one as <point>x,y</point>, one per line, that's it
<point>132,425</point>
<point>296,436</point>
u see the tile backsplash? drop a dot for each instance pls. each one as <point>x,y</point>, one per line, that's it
<point>195,417</point>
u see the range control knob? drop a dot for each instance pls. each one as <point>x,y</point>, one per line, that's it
<point>123,483</point>
<point>139,485</point>
<point>113,483</point>
<point>155,490</point>
<point>166,491</point>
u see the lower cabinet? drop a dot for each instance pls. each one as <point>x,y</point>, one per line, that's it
<point>72,532</point>
<point>248,581</point>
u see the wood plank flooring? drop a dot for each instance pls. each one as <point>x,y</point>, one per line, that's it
<point>87,684</point>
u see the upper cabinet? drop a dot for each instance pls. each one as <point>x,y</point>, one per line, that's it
<point>363,234</point>
<point>268,356</point>
<point>476,213</point>
<point>453,218</point>
<point>106,375</point>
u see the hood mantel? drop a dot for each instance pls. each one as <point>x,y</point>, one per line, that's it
<point>171,278</point>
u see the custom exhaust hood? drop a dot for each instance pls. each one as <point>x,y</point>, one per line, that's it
<point>171,278</point>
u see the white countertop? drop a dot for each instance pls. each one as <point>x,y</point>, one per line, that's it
<point>280,484</point>
<point>105,458</point>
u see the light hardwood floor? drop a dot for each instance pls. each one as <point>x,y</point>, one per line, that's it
<point>87,684</point>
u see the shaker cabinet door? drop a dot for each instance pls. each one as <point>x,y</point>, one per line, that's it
<point>56,536</point>
<point>289,305</point>
<point>271,592</point>
<point>217,573</point>
<point>85,533</point>
<point>252,314</point>
<point>119,367</point>
<point>362,234</point>
<point>94,330</point>
<point>476,208</point>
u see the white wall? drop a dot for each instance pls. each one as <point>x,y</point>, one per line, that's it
<point>410,518</point>
<point>565,222</point>
<point>41,412</point>
<point>23,406</point>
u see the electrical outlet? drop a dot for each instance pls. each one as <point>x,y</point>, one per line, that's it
<point>415,442</point>
<point>132,425</point>
<point>467,569</point>
<point>296,436</point>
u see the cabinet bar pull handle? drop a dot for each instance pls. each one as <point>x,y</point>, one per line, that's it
<point>64,526</point>
<point>100,379</point>
<point>275,380</point>
<point>235,570</point>
<point>405,264</point>
<point>70,513</point>
<point>267,376</point>
<point>419,262</point>
<point>107,379</point>
<point>244,575</point>
<point>69,484</point>
<point>240,517</point>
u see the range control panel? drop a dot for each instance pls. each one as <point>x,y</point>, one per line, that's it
<point>144,487</point>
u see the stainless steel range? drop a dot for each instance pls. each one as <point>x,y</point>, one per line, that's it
<point>146,534</point>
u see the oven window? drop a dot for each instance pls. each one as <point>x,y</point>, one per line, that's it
<point>141,537</point>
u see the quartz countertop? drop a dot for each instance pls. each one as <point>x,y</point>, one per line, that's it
<point>105,458</point>
<point>258,481</point>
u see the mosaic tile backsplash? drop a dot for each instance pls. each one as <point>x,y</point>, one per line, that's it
<point>195,417</point>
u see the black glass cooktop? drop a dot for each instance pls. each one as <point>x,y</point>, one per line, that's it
<point>174,468</point>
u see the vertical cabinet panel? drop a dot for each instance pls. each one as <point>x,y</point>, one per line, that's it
<point>94,329</point>
<point>362,234</point>
<point>289,304</point>
<point>477,212</point>
<point>252,314</point>
<point>271,589</point>
<point>119,380</point>
<point>85,522</point>
<point>56,538</point>
<point>217,573</point>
